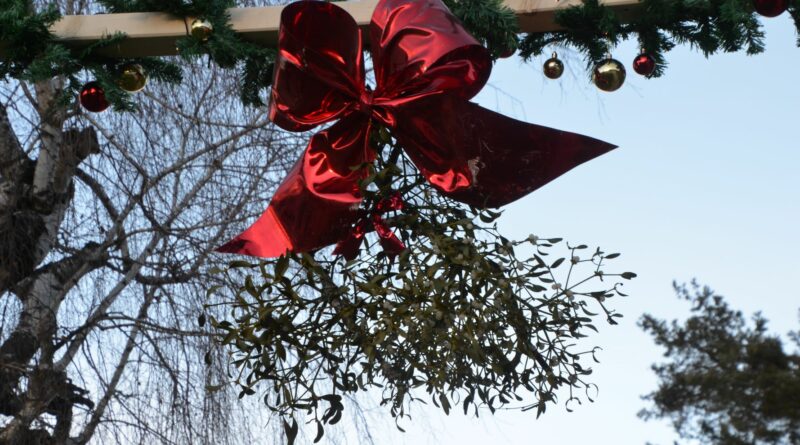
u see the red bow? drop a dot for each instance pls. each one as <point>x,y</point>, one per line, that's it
<point>427,67</point>
<point>392,246</point>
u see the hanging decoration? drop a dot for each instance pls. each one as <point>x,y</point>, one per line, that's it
<point>644,64</point>
<point>132,78</point>
<point>424,82</point>
<point>93,98</point>
<point>591,27</point>
<point>508,52</point>
<point>202,30</point>
<point>32,52</point>
<point>770,8</point>
<point>553,67</point>
<point>609,75</point>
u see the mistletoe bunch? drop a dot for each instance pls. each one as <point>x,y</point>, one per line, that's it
<point>463,317</point>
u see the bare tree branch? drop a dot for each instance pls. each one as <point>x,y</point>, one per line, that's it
<point>100,409</point>
<point>81,350</point>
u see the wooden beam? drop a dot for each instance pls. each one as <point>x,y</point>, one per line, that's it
<point>539,15</point>
<point>154,34</point>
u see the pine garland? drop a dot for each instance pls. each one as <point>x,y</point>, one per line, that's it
<point>25,36</point>
<point>32,52</point>
<point>711,26</point>
<point>794,11</point>
<point>493,24</point>
<point>224,47</point>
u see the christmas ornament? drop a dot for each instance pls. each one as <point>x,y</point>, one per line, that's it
<point>132,78</point>
<point>508,52</point>
<point>770,8</point>
<point>644,64</point>
<point>609,75</point>
<point>93,98</point>
<point>424,80</point>
<point>553,67</point>
<point>202,30</point>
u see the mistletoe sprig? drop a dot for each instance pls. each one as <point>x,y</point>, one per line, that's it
<point>711,26</point>
<point>463,317</point>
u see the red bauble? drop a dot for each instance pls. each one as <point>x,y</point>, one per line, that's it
<point>508,52</point>
<point>93,98</point>
<point>770,8</point>
<point>644,64</point>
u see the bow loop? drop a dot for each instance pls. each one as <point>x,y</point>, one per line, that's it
<point>420,48</point>
<point>319,76</point>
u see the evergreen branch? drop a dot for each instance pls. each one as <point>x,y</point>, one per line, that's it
<point>32,52</point>
<point>710,26</point>
<point>489,21</point>
<point>26,34</point>
<point>794,10</point>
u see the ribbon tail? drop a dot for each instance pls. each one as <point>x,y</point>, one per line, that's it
<point>483,158</point>
<point>317,202</point>
<point>349,247</point>
<point>266,238</point>
<point>392,245</point>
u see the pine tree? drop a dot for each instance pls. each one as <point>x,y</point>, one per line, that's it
<point>725,381</point>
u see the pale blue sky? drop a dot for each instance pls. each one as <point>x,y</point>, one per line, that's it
<point>705,184</point>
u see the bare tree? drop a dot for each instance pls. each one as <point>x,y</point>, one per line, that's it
<point>106,223</point>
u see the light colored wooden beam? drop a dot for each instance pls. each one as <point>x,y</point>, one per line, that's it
<point>154,34</point>
<point>539,15</point>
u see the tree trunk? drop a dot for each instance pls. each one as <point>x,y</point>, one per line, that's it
<point>35,197</point>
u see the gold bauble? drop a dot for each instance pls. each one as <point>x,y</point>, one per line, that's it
<point>609,75</point>
<point>132,78</point>
<point>553,67</point>
<point>202,30</point>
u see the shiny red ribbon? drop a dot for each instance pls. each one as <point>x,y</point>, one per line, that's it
<point>391,244</point>
<point>427,67</point>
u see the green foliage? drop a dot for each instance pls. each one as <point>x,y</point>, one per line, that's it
<point>794,11</point>
<point>25,35</point>
<point>659,25</point>
<point>726,381</point>
<point>196,8</point>
<point>31,52</point>
<point>252,62</point>
<point>493,24</point>
<point>464,317</point>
